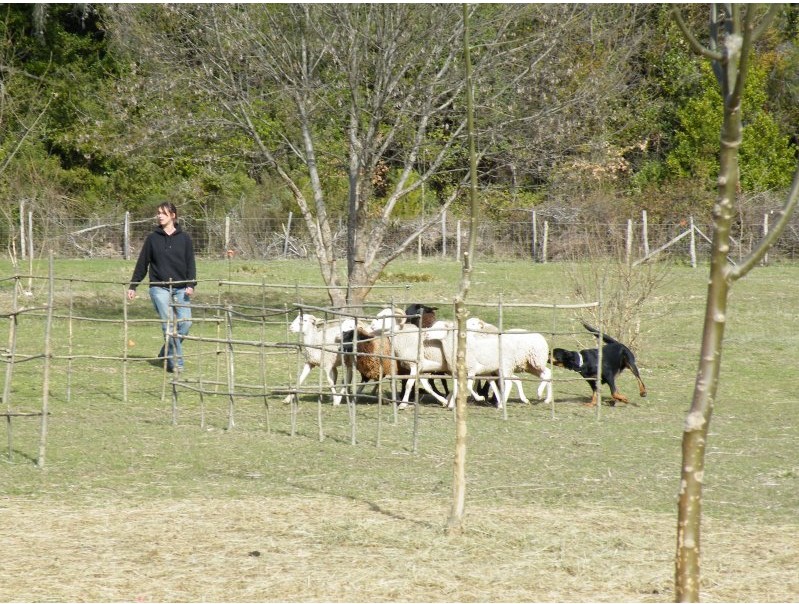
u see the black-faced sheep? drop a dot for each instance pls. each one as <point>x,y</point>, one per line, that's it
<point>424,316</point>
<point>421,315</point>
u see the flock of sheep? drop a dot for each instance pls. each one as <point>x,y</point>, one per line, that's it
<point>414,344</point>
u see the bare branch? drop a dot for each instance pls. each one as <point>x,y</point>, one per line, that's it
<point>691,39</point>
<point>735,273</point>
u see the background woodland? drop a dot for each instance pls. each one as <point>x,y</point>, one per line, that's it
<point>254,110</point>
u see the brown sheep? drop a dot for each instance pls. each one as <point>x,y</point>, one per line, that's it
<point>373,359</point>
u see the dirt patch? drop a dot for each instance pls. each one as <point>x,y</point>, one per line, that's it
<point>332,549</point>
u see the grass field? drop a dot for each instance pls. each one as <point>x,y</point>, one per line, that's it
<point>561,505</point>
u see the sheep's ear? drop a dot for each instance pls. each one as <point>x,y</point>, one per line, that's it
<point>398,315</point>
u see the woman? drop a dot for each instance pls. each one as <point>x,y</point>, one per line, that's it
<point>169,254</point>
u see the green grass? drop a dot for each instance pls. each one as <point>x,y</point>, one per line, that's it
<point>101,448</point>
<point>629,457</point>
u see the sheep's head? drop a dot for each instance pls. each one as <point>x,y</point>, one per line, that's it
<point>388,319</point>
<point>477,324</point>
<point>421,315</point>
<point>302,322</point>
<point>439,330</point>
<point>348,324</point>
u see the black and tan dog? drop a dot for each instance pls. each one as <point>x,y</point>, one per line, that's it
<point>615,358</point>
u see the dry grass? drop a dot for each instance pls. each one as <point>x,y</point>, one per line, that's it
<point>325,548</point>
<point>560,507</point>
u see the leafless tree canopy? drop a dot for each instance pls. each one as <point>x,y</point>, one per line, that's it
<point>355,107</point>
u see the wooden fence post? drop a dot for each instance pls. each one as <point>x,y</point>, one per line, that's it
<point>765,234</point>
<point>12,351</point>
<point>48,353</point>
<point>546,242</point>
<point>227,233</point>
<point>23,249</point>
<point>629,247</point>
<point>692,248</point>
<point>534,247</point>
<point>287,235</point>
<point>231,367</point>
<point>645,233</point>
<point>126,237</point>
<point>444,235</point>
<point>30,251</point>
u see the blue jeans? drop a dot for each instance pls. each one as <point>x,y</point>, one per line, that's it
<point>164,303</point>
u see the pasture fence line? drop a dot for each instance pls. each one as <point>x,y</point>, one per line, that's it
<point>11,356</point>
<point>239,351</point>
<point>540,235</point>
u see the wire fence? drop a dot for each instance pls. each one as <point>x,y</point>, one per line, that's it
<point>236,353</point>
<point>539,235</point>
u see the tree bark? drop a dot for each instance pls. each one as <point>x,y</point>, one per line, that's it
<point>455,522</point>
<point>731,45</point>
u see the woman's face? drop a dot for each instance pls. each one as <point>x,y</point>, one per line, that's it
<point>165,217</point>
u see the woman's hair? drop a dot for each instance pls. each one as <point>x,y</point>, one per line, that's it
<point>169,207</point>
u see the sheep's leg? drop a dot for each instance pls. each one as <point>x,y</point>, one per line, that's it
<point>450,404</point>
<point>518,382</point>
<point>501,398</point>
<point>426,385</point>
<point>452,397</point>
<point>546,384</point>
<point>414,372</point>
<point>470,387</point>
<point>332,375</point>
<point>306,369</point>
<point>408,387</point>
<point>347,386</point>
<point>507,389</point>
<point>476,395</point>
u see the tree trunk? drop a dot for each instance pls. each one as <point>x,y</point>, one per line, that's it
<point>698,420</point>
<point>455,521</point>
<point>732,38</point>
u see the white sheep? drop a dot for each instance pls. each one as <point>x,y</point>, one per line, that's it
<point>320,342</point>
<point>411,348</point>
<point>489,352</point>
<point>475,324</point>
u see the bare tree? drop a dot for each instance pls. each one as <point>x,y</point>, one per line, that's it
<point>352,107</point>
<point>734,29</point>
<point>455,520</point>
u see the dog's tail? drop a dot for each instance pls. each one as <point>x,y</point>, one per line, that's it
<point>605,337</point>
